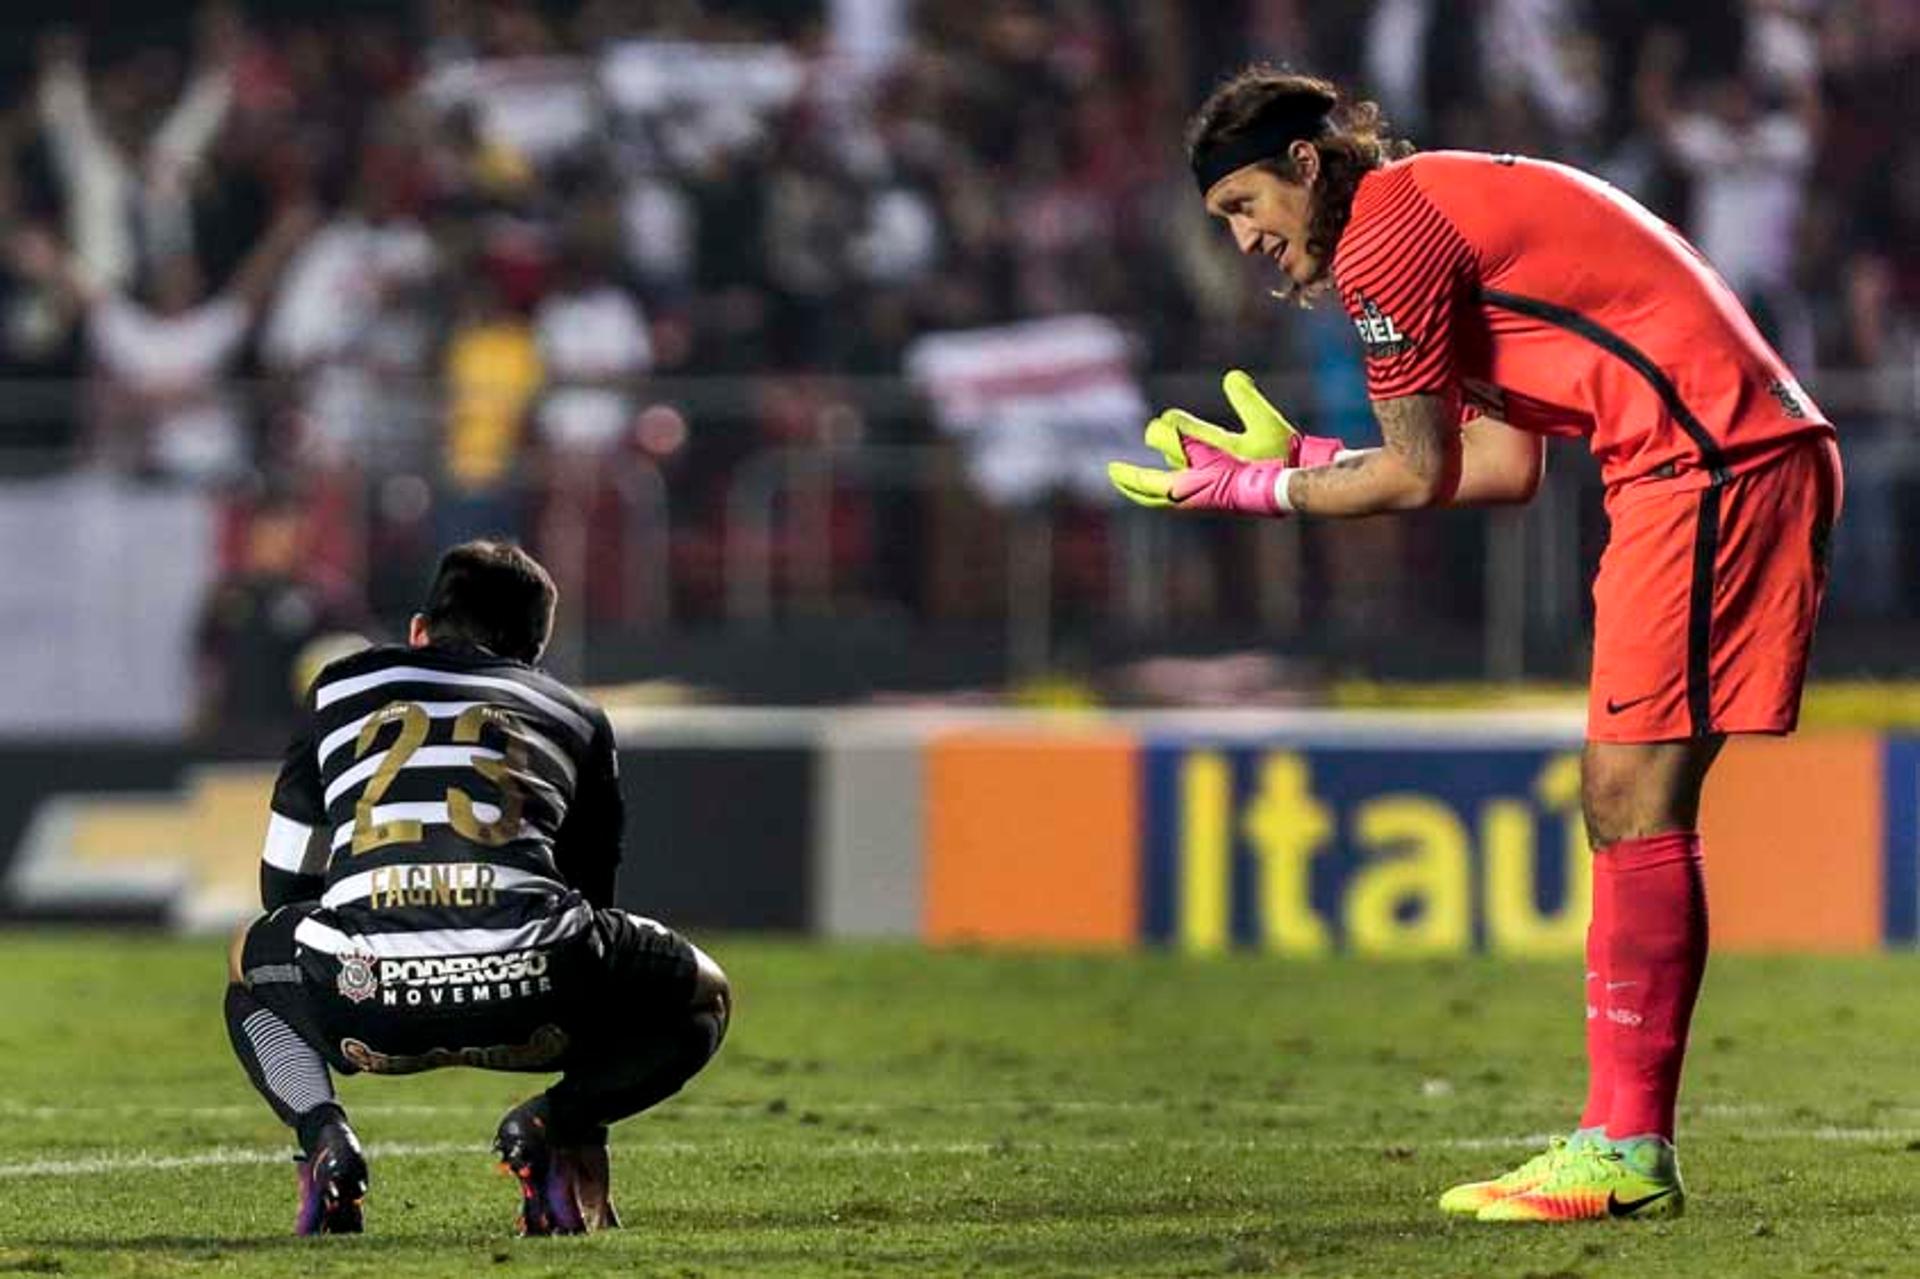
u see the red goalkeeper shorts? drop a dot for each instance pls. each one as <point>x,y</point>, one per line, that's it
<point>1706,599</point>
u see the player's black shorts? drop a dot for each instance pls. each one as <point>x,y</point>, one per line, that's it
<point>540,1009</point>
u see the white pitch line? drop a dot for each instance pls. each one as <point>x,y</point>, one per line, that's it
<point>111,1163</point>
<point>218,1157</point>
<point>234,1156</point>
<point>723,1109</point>
<point>61,1113</point>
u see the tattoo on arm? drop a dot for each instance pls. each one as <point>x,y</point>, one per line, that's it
<point>1416,428</point>
<point>1419,465</point>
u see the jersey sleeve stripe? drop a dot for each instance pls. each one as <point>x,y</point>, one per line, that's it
<point>1397,210</point>
<point>1410,217</point>
<point>1400,203</point>
<point>1403,270</point>
<point>286,846</point>
<point>1436,242</point>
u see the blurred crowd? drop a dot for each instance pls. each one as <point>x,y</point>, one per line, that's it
<point>412,271</point>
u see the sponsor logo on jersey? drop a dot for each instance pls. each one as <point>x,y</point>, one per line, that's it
<point>543,1048</point>
<point>182,850</point>
<point>357,981</point>
<point>1793,401</point>
<point>456,884</point>
<point>1379,335</point>
<point>460,980</point>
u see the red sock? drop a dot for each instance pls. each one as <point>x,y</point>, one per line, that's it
<point>1599,1038</point>
<point>1656,954</point>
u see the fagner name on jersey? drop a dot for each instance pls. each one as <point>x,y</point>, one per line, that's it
<point>1379,335</point>
<point>452,884</point>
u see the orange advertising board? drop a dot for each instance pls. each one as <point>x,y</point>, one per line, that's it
<point>1032,838</point>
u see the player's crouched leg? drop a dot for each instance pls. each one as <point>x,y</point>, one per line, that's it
<point>272,1024</point>
<point>658,1016</point>
<point>652,1022</point>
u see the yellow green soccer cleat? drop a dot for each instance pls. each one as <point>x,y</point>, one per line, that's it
<point>1638,1178</point>
<point>1468,1199</point>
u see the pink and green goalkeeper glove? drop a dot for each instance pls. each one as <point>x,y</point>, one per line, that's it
<point>1215,469</point>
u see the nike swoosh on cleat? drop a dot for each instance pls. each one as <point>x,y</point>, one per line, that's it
<point>1614,708</point>
<point>1616,1207</point>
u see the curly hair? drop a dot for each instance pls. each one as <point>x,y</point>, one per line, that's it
<point>1350,136</point>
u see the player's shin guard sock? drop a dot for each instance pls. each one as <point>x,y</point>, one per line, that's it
<point>1656,955</point>
<point>1593,1115</point>
<point>286,1069</point>
<point>633,1077</point>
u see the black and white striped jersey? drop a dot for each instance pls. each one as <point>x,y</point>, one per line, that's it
<point>444,801</point>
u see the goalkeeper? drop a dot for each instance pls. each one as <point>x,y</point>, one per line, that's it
<point>1498,301</point>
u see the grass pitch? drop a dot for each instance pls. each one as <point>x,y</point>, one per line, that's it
<point>889,1111</point>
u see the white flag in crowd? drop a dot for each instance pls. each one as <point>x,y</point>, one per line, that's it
<point>1040,405</point>
<point>541,107</point>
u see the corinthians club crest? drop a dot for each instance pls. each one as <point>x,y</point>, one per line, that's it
<point>357,981</point>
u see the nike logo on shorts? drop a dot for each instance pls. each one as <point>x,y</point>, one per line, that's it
<point>1614,708</point>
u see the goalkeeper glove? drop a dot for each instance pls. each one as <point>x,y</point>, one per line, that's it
<point>1215,469</point>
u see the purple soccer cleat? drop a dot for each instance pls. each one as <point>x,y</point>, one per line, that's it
<point>333,1185</point>
<point>548,1202</point>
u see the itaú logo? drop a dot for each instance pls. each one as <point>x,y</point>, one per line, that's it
<point>1254,847</point>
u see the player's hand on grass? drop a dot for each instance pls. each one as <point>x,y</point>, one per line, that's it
<point>1215,469</point>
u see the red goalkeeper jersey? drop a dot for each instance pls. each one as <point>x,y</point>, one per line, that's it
<point>1561,302</point>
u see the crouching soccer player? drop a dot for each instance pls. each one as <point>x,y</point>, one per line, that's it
<point>1499,300</point>
<point>438,876</point>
